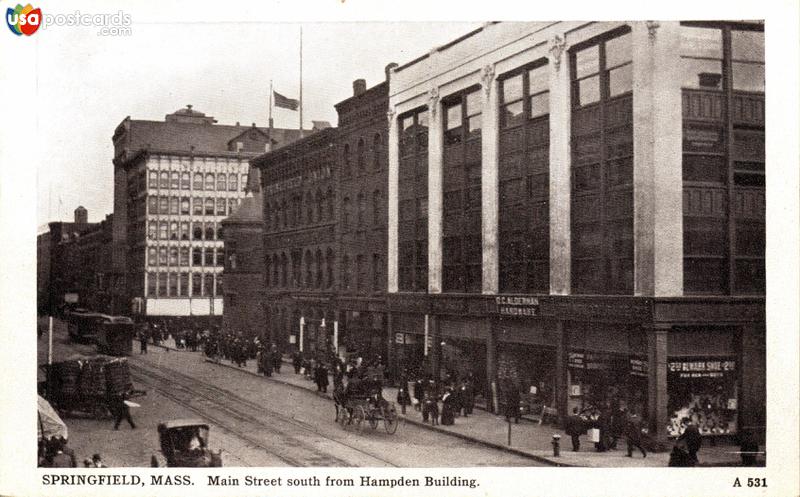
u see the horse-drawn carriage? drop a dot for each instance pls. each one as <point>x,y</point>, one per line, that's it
<point>358,410</point>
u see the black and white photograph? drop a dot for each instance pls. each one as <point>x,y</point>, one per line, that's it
<point>366,256</point>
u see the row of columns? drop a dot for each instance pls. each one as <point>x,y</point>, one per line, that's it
<point>657,130</point>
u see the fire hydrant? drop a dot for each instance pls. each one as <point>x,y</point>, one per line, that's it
<point>556,445</point>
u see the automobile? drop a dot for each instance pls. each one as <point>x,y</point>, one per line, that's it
<point>184,444</point>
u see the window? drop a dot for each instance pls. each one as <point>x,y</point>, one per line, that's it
<point>197,256</point>
<point>197,206</point>
<point>197,231</point>
<point>723,158</point>
<point>329,264</point>
<point>208,256</point>
<point>318,204</point>
<point>310,208</point>
<point>198,181</point>
<point>209,210</point>
<point>218,284</point>
<point>523,175</point>
<point>152,230</point>
<point>162,256</point>
<point>360,272</point>
<point>602,167</point>
<point>221,206</point>
<point>185,181</point>
<point>284,269</point>
<point>362,207</point>
<point>219,231</point>
<point>347,167</point>
<point>220,257</point>
<point>184,206</point>
<point>209,231</point>
<point>197,284</point>
<point>173,205</point>
<point>152,256</point>
<point>173,230</point>
<point>208,285</point>
<point>329,200</point>
<point>173,256</point>
<point>244,182</point>
<point>377,152</point>
<point>413,201</point>
<point>152,281</point>
<point>184,284</point>
<point>174,180</point>
<point>233,182</point>
<point>152,204</point>
<point>184,233</point>
<point>184,256</point>
<point>346,214</point>
<point>163,205</point>
<point>377,204</point>
<point>377,272</point>
<point>209,185</point>
<point>222,182</point>
<point>163,180</point>
<point>360,159</point>
<point>152,179</point>
<point>346,273</point>
<point>163,230</point>
<point>318,266</point>
<point>232,204</point>
<point>461,222</point>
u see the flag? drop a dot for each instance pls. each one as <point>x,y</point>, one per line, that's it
<point>285,102</point>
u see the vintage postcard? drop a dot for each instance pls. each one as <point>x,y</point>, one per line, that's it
<point>369,248</point>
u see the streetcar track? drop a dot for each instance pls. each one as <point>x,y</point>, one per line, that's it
<point>218,392</point>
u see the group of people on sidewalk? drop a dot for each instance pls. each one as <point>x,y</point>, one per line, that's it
<point>607,427</point>
<point>456,395</point>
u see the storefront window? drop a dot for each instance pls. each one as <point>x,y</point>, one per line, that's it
<point>704,391</point>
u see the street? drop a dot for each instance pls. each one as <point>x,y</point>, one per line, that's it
<point>255,421</point>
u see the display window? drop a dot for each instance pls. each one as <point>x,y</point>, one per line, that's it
<point>533,369</point>
<point>703,390</point>
<point>600,379</point>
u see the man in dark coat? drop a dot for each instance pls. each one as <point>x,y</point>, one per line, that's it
<point>574,427</point>
<point>276,358</point>
<point>419,393</point>
<point>633,434</point>
<point>121,411</point>
<point>693,439</point>
<point>468,395</point>
<point>448,407</point>
<point>297,361</point>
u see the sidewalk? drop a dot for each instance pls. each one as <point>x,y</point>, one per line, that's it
<point>528,439</point>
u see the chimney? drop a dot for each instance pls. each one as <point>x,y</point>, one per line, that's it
<point>359,87</point>
<point>389,68</point>
<point>81,215</point>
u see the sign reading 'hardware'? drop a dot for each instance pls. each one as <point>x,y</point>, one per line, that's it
<point>517,306</point>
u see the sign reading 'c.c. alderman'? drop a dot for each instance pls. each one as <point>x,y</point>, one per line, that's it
<point>517,306</point>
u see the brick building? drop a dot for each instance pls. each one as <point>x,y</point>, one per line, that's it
<point>577,210</point>
<point>174,182</point>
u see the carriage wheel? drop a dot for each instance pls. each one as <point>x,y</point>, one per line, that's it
<point>359,415</point>
<point>373,419</point>
<point>389,419</point>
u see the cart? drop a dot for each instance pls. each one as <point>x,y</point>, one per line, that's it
<point>184,444</point>
<point>85,385</point>
<point>361,410</point>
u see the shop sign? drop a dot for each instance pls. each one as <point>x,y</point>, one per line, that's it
<point>597,361</point>
<point>715,368</point>
<point>575,360</point>
<point>638,367</point>
<point>517,306</point>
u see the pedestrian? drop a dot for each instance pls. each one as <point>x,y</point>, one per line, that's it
<point>679,457</point>
<point>448,407</point>
<point>120,408</point>
<point>575,427</point>
<point>403,397</point>
<point>143,339</point>
<point>618,425</point>
<point>603,424</point>
<point>322,377</point>
<point>633,434</point>
<point>430,408</point>
<point>419,393</point>
<point>512,401</point>
<point>748,448</point>
<point>297,361</point>
<point>693,439</point>
<point>95,462</point>
<point>468,395</point>
<point>276,357</point>
<point>61,456</point>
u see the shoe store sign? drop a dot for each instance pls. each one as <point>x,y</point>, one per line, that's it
<point>517,306</point>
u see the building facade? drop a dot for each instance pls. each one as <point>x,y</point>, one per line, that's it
<point>174,182</point>
<point>576,210</point>
<point>361,231</point>
<point>299,242</point>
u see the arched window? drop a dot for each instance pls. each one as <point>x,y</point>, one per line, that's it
<point>209,181</point>
<point>163,228</point>
<point>309,272</point>
<point>163,181</point>
<point>222,205</point>
<point>345,273</point>
<point>197,231</point>
<point>174,180</point>
<point>209,231</point>
<point>329,262</point>
<point>318,267</point>
<point>153,179</point>
<point>209,210</point>
<point>361,208</point>
<point>377,151</point>
<point>233,182</point>
<point>152,230</point>
<point>185,181</point>
<point>347,167</point>
<point>173,230</point>
<point>360,159</point>
<point>318,202</point>
<point>283,269</point>
<point>376,207</point>
<point>198,181</point>
<point>222,182</point>
<point>197,206</point>
<point>309,208</point>
<point>346,213</point>
<point>185,206</point>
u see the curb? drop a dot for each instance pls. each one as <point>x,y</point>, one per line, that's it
<point>420,424</point>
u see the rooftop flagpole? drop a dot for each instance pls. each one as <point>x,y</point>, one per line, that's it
<point>270,109</point>
<point>301,81</point>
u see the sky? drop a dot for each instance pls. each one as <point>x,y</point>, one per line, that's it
<point>87,84</point>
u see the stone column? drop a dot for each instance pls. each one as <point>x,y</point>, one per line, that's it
<point>560,161</point>
<point>657,381</point>
<point>392,283</point>
<point>435,137</point>
<point>489,182</point>
<point>657,163</point>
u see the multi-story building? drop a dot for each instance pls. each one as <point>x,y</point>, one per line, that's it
<point>174,182</point>
<point>577,210</point>
<point>299,204</point>
<point>361,231</point>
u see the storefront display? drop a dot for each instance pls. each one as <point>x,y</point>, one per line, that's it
<point>532,368</point>
<point>703,390</point>
<point>600,378</point>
